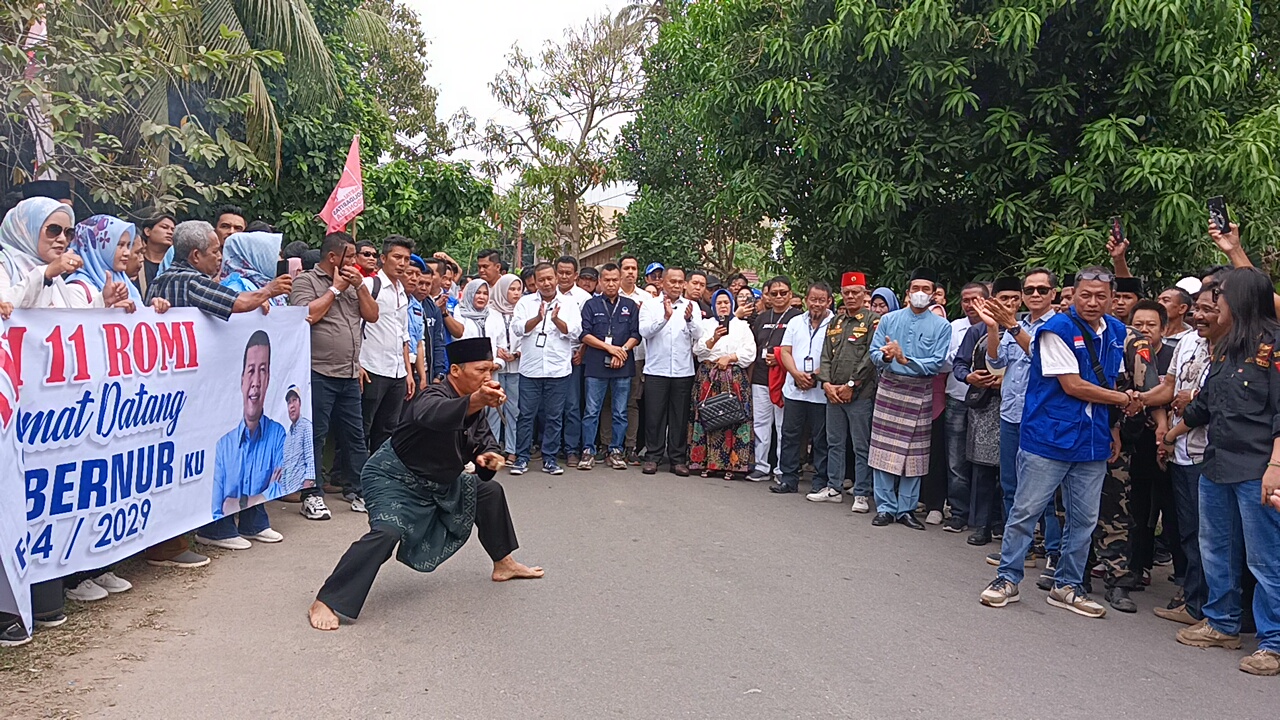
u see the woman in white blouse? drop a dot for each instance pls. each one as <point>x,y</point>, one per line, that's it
<point>724,350</point>
<point>473,309</point>
<point>506,355</point>
<point>34,237</point>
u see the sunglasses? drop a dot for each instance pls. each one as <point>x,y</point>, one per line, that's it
<point>1096,276</point>
<point>1037,290</point>
<point>369,253</point>
<point>53,230</point>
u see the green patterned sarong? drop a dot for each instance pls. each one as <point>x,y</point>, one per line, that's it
<point>435,519</point>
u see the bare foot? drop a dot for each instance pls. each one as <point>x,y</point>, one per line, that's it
<point>508,569</point>
<point>322,618</point>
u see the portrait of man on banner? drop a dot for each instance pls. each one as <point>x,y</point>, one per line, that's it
<point>299,454</point>
<point>249,459</point>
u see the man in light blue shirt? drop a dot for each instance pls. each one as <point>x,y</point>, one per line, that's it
<point>299,450</point>
<point>247,460</point>
<point>910,347</point>
<point>1012,361</point>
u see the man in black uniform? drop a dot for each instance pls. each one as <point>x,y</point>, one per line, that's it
<point>417,494</point>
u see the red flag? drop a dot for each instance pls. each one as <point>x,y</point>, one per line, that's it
<point>347,199</point>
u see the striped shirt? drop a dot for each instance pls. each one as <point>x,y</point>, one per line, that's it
<point>184,286</point>
<point>299,456</point>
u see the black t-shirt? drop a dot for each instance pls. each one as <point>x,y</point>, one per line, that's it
<point>768,327</point>
<point>1164,358</point>
<point>149,270</point>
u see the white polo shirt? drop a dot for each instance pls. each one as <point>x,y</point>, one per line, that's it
<point>382,351</point>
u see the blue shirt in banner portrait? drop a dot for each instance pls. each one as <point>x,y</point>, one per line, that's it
<point>245,465</point>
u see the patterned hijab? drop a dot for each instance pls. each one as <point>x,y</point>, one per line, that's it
<point>467,306</point>
<point>20,233</point>
<point>95,242</point>
<point>252,256</point>
<point>498,296</point>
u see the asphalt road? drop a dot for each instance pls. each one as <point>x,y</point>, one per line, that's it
<point>664,598</point>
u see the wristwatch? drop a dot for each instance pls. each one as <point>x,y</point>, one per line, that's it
<point>336,292</point>
<point>1167,441</point>
<point>1014,331</point>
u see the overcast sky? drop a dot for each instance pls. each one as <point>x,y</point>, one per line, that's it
<point>470,41</point>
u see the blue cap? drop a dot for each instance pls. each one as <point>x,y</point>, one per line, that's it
<point>654,267</point>
<point>756,292</point>
<point>419,262</point>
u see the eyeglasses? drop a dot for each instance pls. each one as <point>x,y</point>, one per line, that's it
<point>1096,276</point>
<point>1037,290</point>
<point>53,230</point>
<point>780,293</point>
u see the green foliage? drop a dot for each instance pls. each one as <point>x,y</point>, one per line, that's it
<point>95,86</point>
<point>975,136</point>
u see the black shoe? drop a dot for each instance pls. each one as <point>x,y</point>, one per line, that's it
<point>954,525</point>
<point>997,533</point>
<point>882,519</point>
<point>1038,550</point>
<point>14,635</point>
<point>910,521</point>
<point>781,489</point>
<point>979,537</point>
<point>1046,576</point>
<point>1120,600</point>
<point>1163,558</point>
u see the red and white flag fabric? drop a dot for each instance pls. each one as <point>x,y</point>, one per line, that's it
<point>346,201</point>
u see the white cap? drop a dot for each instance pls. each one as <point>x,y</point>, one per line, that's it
<point>1190,284</point>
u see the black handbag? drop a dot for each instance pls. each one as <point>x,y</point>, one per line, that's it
<point>719,412</point>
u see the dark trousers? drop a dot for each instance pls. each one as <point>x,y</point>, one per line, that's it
<point>383,400</point>
<point>336,407</point>
<point>667,418</point>
<point>933,486</point>
<point>347,588</point>
<point>984,497</point>
<point>47,599</point>
<point>798,418</point>
<point>1186,501</point>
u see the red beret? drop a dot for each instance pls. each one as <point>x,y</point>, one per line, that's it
<point>853,278</point>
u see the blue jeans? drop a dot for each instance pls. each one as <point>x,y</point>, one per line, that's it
<point>336,407</point>
<point>900,501</point>
<point>850,421</point>
<point>1233,524</point>
<point>1010,438</point>
<point>545,397</point>
<point>1038,480</point>
<point>1186,503</point>
<point>796,416</point>
<point>620,391</point>
<point>251,521</point>
<point>573,437</point>
<point>508,413</point>
<point>956,431</point>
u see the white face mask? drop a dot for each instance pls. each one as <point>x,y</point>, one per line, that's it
<point>919,300</point>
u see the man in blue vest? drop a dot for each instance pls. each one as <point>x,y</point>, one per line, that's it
<point>1066,439</point>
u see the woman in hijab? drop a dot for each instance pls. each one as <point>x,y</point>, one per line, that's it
<point>506,355</point>
<point>105,246</point>
<point>249,262</point>
<point>34,237</point>
<point>883,301</point>
<point>724,349</point>
<point>473,309</point>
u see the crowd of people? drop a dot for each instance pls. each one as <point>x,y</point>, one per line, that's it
<point>1095,427</point>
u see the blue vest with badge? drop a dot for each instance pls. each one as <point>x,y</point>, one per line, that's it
<point>1056,425</point>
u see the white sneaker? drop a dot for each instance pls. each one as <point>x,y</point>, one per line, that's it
<point>825,495</point>
<point>112,583</point>
<point>934,518</point>
<point>313,508</point>
<point>357,505</point>
<point>861,504</point>
<point>235,543</point>
<point>86,591</point>
<point>267,536</point>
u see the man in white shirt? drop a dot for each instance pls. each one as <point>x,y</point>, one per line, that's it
<point>669,326</point>
<point>804,406</point>
<point>635,431</point>
<point>956,425</point>
<point>567,286</point>
<point>545,324</point>
<point>385,369</point>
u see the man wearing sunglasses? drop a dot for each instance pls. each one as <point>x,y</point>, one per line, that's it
<point>1009,356</point>
<point>768,328</point>
<point>1066,441</point>
<point>367,258</point>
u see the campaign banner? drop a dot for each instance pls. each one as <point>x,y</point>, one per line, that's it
<point>130,429</point>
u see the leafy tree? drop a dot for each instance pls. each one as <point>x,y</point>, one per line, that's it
<point>94,85</point>
<point>568,99</point>
<point>981,135</point>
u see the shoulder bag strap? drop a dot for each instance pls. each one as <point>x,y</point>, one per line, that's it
<point>1089,335</point>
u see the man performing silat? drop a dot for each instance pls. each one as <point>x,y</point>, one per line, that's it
<point>417,494</point>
